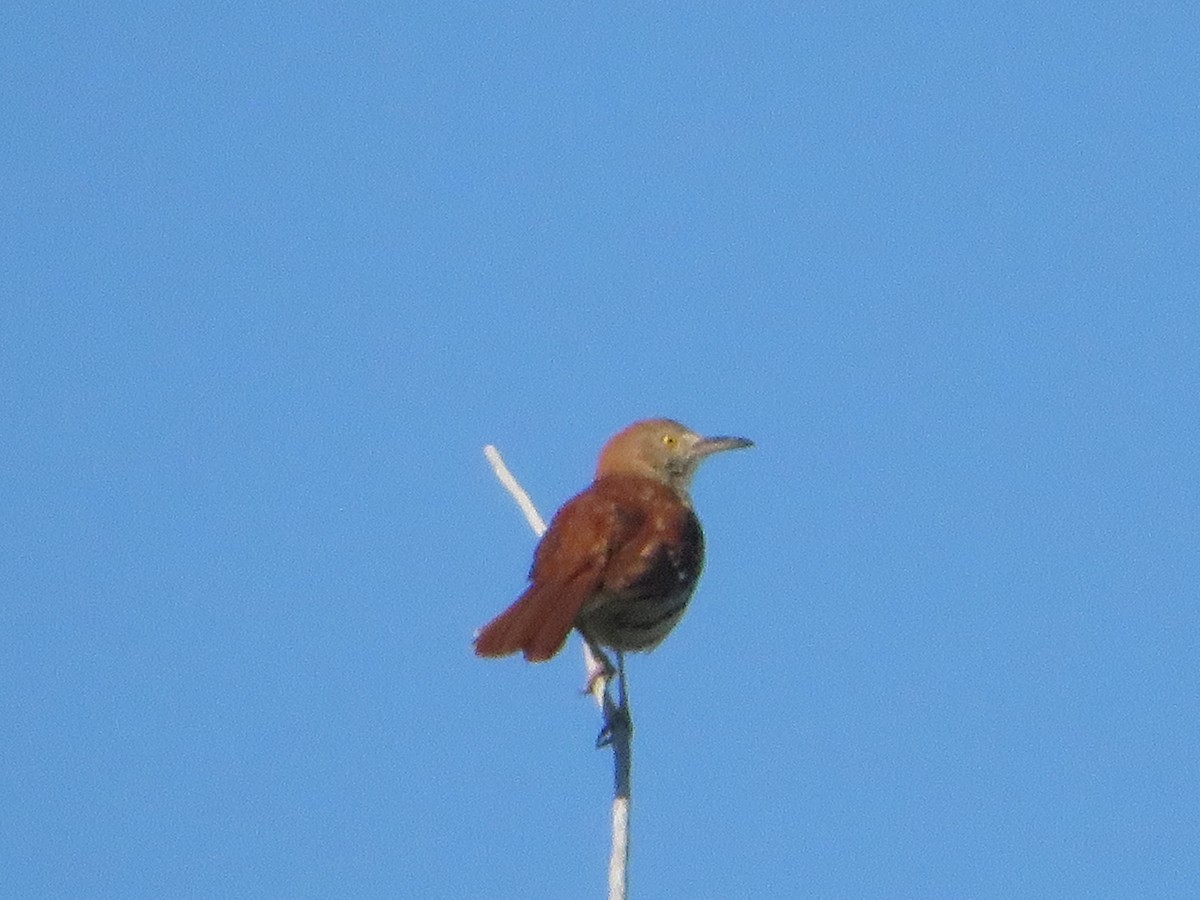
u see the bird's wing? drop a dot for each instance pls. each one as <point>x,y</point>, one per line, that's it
<point>568,568</point>
<point>662,557</point>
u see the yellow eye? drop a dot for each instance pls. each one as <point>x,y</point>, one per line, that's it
<point>670,440</point>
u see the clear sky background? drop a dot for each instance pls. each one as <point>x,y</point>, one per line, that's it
<point>271,277</point>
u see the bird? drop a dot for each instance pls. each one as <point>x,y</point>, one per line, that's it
<point>620,559</point>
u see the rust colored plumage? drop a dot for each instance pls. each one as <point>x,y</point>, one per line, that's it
<point>620,559</point>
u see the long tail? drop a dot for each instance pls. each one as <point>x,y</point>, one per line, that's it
<point>538,623</point>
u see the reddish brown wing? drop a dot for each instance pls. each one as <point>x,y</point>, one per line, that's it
<point>568,568</point>
<point>650,577</point>
<point>663,558</point>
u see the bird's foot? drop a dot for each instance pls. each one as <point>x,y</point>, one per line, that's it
<point>601,671</point>
<point>598,679</point>
<point>618,724</point>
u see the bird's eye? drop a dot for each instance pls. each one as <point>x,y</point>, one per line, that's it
<point>669,440</point>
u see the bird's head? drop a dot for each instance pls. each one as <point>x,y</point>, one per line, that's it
<point>663,450</point>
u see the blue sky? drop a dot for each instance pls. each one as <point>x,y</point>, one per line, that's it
<point>270,280</point>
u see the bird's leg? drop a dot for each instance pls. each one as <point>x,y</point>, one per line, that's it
<point>616,715</point>
<point>601,673</point>
<point>622,697</point>
<point>600,667</point>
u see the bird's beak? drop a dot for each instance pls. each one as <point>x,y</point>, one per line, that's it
<point>710,445</point>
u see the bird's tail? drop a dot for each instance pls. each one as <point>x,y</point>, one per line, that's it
<point>537,624</point>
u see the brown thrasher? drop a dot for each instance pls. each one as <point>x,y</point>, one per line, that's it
<point>620,560</point>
